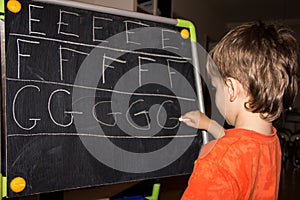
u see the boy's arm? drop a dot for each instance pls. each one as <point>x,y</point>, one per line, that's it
<point>209,181</point>
<point>216,129</point>
<point>199,120</point>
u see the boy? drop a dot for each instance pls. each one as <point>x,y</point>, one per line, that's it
<point>257,80</point>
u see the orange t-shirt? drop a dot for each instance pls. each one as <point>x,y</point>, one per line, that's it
<point>241,165</point>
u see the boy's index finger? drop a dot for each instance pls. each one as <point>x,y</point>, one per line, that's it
<point>181,119</point>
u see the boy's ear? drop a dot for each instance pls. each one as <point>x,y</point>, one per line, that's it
<point>232,88</point>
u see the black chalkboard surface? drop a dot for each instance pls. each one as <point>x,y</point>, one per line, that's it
<point>93,97</point>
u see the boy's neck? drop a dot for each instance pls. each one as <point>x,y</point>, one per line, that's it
<point>253,121</point>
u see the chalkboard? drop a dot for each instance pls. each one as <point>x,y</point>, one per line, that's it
<point>92,96</point>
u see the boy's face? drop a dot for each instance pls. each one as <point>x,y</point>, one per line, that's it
<point>219,85</point>
<point>221,95</point>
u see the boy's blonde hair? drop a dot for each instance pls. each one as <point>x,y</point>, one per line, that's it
<point>263,58</point>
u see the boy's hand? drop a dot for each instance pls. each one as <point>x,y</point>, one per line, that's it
<point>196,119</point>
<point>199,120</point>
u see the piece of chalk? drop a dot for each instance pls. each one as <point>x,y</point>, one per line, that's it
<point>183,119</point>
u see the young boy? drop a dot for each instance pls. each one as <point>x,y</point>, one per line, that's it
<point>257,80</point>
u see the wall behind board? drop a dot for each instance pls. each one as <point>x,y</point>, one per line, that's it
<point>129,5</point>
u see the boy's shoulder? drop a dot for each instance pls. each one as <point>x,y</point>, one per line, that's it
<point>216,149</point>
<point>236,142</point>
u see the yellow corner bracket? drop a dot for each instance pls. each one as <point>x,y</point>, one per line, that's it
<point>3,186</point>
<point>18,184</point>
<point>14,6</point>
<point>189,25</point>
